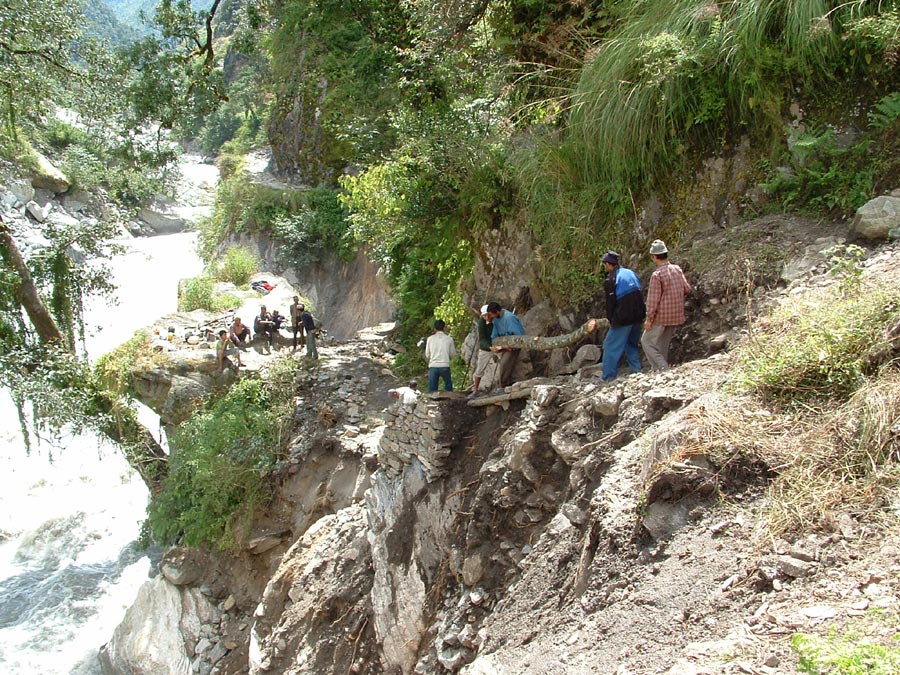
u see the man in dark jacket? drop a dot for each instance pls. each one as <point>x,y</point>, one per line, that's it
<point>309,327</point>
<point>625,311</point>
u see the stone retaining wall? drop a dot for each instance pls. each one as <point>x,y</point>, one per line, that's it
<point>415,430</point>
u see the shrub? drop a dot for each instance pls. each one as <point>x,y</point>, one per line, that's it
<point>199,293</point>
<point>237,266</point>
<point>820,345</point>
<point>218,466</point>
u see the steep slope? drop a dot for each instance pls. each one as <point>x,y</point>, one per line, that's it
<point>581,529</point>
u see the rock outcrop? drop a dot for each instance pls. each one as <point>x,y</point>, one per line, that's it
<point>160,632</point>
<point>347,295</point>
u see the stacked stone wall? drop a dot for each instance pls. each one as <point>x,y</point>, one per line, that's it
<point>415,430</point>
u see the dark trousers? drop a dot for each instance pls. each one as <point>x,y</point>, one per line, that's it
<point>508,360</point>
<point>434,374</point>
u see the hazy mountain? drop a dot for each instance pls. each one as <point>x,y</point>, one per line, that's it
<point>129,11</point>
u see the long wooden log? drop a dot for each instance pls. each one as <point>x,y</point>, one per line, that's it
<point>542,344</point>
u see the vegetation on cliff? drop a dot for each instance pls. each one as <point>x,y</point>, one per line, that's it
<point>556,119</point>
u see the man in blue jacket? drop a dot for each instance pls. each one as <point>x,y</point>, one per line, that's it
<point>625,311</point>
<point>504,322</point>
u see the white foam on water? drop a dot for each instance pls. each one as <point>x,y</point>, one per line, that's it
<point>71,511</point>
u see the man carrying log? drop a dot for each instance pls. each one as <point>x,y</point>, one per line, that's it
<point>504,323</point>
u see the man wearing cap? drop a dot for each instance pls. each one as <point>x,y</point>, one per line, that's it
<point>485,356</point>
<point>625,312</point>
<point>665,306</point>
<point>407,395</point>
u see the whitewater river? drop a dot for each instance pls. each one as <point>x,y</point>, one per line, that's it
<point>70,512</point>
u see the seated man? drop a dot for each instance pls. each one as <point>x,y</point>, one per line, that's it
<point>225,348</point>
<point>239,334</point>
<point>277,319</point>
<point>263,324</point>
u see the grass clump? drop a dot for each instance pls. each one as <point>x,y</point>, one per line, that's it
<point>850,654</point>
<point>821,345</point>
<point>220,459</point>
<point>848,458</point>
<point>199,293</point>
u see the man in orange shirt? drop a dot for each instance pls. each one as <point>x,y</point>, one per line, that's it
<point>665,306</point>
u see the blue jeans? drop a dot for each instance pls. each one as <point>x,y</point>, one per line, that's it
<point>619,340</point>
<point>439,373</point>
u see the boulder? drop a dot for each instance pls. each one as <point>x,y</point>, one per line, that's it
<point>48,177</point>
<point>149,640</point>
<point>162,217</point>
<point>877,218</point>
<point>20,191</point>
<point>183,566</point>
<point>587,355</point>
<point>38,212</point>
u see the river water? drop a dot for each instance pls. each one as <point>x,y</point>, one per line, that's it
<point>70,512</point>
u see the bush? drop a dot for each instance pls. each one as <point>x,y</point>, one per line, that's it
<point>114,369</point>
<point>821,345</point>
<point>199,293</point>
<point>237,266</point>
<point>847,655</point>
<point>218,466</point>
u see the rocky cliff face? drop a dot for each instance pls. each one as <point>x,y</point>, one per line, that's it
<point>347,296</point>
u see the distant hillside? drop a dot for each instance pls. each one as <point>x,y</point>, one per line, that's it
<point>128,12</point>
<point>103,24</point>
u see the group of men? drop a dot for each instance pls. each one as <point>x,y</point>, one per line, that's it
<point>267,323</point>
<point>634,323</point>
<point>494,322</point>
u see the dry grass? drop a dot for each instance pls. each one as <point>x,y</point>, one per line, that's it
<point>849,461</point>
<point>843,458</point>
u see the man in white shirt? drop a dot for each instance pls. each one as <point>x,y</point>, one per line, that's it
<point>439,350</point>
<point>406,395</point>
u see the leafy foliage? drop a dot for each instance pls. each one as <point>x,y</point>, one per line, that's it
<point>307,222</point>
<point>837,655</point>
<point>220,458</point>
<point>237,266</point>
<point>825,178</point>
<point>199,293</point>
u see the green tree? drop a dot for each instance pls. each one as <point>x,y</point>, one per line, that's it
<point>38,39</point>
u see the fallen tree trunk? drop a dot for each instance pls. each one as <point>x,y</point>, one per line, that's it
<point>542,344</point>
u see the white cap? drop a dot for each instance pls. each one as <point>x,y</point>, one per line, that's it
<point>483,310</point>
